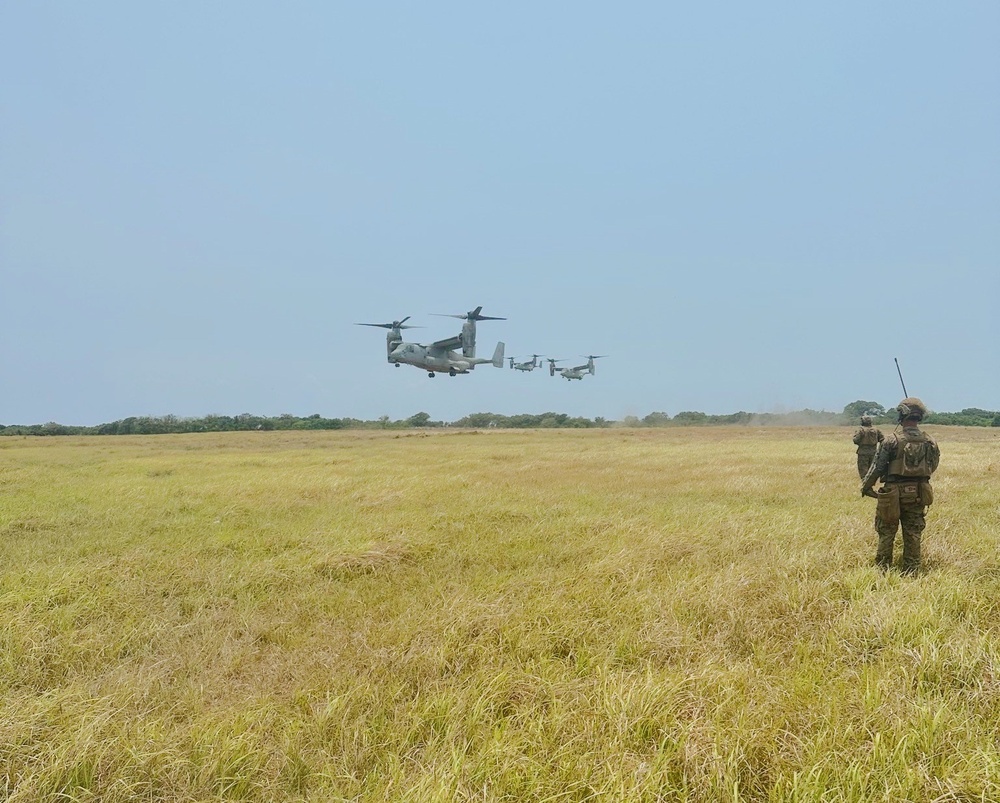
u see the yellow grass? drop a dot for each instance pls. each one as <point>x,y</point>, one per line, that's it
<point>563,615</point>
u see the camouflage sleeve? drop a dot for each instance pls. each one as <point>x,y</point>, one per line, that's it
<point>880,465</point>
<point>881,437</point>
<point>934,456</point>
<point>857,438</point>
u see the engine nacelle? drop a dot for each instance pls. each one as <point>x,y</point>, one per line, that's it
<point>468,338</point>
<point>392,340</point>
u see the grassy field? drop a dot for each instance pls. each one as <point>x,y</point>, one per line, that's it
<point>564,615</point>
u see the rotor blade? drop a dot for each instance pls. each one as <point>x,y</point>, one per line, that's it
<point>593,356</point>
<point>474,315</point>
<point>393,325</point>
<point>471,315</point>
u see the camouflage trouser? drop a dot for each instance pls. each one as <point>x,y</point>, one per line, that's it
<point>913,521</point>
<point>865,459</point>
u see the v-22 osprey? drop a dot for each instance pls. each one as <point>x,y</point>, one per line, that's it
<point>441,356</point>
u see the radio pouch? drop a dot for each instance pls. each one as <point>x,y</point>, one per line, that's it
<point>926,494</point>
<point>887,507</point>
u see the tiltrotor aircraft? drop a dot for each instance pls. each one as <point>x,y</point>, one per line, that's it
<point>525,366</point>
<point>577,371</point>
<point>440,356</point>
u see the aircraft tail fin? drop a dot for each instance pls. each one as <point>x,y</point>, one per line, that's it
<point>498,355</point>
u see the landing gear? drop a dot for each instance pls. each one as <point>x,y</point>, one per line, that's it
<point>452,372</point>
<point>430,374</point>
<point>397,365</point>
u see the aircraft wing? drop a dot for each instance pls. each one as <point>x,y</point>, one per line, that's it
<point>448,344</point>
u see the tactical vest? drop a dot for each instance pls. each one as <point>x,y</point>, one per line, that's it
<point>869,436</point>
<point>913,455</point>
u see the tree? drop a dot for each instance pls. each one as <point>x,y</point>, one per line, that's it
<point>476,420</point>
<point>856,409</point>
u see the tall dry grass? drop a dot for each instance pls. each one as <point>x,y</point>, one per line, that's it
<point>675,615</point>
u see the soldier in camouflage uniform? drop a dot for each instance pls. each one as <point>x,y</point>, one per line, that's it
<point>867,439</point>
<point>904,464</point>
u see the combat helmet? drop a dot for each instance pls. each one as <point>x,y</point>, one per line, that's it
<point>866,420</point>
<point>911,407</point>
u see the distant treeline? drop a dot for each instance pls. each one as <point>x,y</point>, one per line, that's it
<point>157,425</point>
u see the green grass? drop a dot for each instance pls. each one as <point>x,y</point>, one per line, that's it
<point>596,615</point>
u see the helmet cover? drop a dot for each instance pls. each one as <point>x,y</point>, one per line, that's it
<point>911,407</point>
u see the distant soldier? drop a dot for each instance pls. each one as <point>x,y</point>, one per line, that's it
<point>904,464</point>
<point>867,439</point>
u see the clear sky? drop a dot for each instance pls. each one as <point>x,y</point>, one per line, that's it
<point>747,206</point>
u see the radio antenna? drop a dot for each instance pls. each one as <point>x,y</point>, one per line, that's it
<point>901,382</point>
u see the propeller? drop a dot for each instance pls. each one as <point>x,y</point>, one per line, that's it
<point>472,315</point>
<point>593,356</point>
<point>393,325</point>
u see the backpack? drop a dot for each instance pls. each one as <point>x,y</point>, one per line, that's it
<point>869,436</point>
<point>914,455</point>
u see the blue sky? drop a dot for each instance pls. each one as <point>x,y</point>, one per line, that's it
<point>746,206</point>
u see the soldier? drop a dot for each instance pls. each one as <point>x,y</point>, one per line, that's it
<point>904,464</point>
<point>867,439</point>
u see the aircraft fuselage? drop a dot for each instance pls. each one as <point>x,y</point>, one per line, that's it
<point>437,360</point>
<point>421,357</point>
